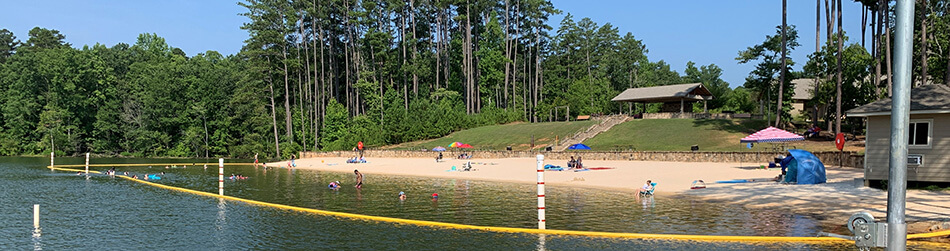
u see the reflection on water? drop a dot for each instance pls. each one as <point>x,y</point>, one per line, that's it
<point>496,204</point>
<point>104,212</point>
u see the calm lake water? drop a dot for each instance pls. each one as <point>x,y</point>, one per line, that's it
<point>100,212</point>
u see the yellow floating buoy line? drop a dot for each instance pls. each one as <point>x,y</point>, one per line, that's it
<point>715,238</point>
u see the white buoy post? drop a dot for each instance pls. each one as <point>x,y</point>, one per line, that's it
<point>36,216</point>
<point>52,156</point>
<point>541,191</point>
<point>87,163</point>
<point>221,176</point>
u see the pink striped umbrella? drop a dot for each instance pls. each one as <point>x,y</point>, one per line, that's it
<point>771,134</point>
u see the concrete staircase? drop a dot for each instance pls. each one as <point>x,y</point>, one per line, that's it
<point>605,124</point>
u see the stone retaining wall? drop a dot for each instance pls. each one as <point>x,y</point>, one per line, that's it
<point>850,159</point>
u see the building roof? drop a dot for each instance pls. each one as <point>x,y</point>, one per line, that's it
<point>665,93</point>
<point>926,99</point>
<point>804,88</point>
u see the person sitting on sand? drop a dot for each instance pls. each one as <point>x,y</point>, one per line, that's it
<point>579,164</point>
<point>571,163</point>
<point>646,188</point>
<point>439,158</point>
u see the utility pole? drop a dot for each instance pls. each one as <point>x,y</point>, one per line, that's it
<point>900,118</point>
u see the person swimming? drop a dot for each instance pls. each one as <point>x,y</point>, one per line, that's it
<point>334,185</point>
<point>402,195</point>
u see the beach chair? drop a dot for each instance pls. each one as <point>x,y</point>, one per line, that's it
<point>649,192</point>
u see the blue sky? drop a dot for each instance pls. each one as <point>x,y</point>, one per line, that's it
<point>709,32</point>
<point>677,31</point>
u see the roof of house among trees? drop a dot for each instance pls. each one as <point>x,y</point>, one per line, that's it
<point>932,98</point>
<point>666,93</point>
<point>804,88</point>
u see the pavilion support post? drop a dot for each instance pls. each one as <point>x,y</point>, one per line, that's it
<point>704,107</point>
<point>682,105</point>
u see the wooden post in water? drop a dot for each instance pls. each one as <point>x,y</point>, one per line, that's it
<point>87,163</point>
<point>36,216</point>
<point>221,176</point>
<point>541,191</point>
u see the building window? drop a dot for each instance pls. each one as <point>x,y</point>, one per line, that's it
<point>919,133</point>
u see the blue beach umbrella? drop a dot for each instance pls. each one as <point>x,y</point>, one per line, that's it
<point>579,147</point>
<point>438,149</point>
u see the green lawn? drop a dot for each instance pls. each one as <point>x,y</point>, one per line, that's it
<point>638,135</point>
<point>497,137</point>
<point>677,135</point>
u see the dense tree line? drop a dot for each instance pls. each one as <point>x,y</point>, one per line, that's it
<point>324,75</point>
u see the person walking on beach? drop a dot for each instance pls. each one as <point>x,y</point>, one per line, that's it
<point>359,178</point>
<point>359,146</point>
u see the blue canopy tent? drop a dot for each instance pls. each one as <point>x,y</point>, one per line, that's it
<point>579,147</point>
<point>803,168</point>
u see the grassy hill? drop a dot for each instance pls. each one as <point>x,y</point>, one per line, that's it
<point>680,134</point>
<point>676,135</point>
<point>497,137</point>
<point>638,135</point>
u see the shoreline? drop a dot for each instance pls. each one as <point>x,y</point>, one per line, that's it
<point>834,201</point>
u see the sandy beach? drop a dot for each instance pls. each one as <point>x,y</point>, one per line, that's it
<point>834,201</point>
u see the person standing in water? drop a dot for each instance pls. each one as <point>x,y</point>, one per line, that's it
<point>255,161</point>
<point>359,178</point>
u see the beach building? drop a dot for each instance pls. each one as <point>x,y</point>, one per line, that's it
<point>802,99</point>
<point>677,99</point>
<point>929,140</point>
